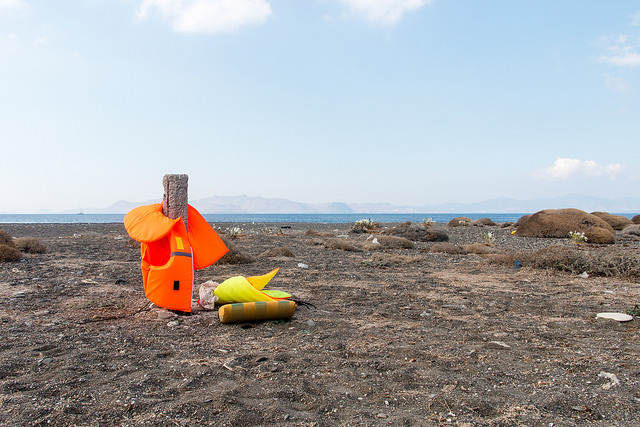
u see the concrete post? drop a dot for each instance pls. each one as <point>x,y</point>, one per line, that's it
<point>176,198</point>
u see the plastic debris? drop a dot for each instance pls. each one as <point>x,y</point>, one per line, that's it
<point>620,317</point>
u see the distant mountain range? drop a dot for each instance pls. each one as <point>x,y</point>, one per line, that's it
<point>247,204</point>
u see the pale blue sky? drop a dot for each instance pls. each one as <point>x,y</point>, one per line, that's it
<point>412,102</point>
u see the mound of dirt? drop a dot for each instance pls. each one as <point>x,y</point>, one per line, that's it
<point>617,222</point>
<point>559,222</point>
<point>461,221</point>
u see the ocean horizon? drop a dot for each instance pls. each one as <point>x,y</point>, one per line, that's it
<point>324,218</point>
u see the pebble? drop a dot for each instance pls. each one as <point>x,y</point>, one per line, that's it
<point>20,295</point>
<point>302,265</point>
<point>164,314</point>
<point>173,324</point>
<point>311,323</point>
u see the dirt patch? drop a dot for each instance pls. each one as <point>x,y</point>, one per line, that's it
<point>394,337</point>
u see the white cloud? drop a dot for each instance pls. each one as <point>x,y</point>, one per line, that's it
<point>207,16</point>
<point>635,19</point>
<point>563,168</point>
<point>384,12</point>
<point>620,50</point>
<point>13,5</point>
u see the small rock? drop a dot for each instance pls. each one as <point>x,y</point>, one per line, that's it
<point>165,314</point>
<point>41,313</point>
<point>267,334</point>
<point>381,415</point>
<point>425,314</point>
<point>311,323</point>
<point>302,265</point>
<point>20,295</point>
<point>173,324</point>
<point>613,380</point>
<point>497,344</point>
<point>584,275</point>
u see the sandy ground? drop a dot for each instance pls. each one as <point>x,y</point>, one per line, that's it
<point>396,337</point>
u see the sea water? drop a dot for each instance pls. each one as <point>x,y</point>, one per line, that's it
<point>268,218</point>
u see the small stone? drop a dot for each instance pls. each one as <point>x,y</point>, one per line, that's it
<point>165,314</point>
<point>267,334</point>
<point>302,265</point>
<point>497,344</point>
<point>311,323</point>
<point>173,324</point>
<point>20,295</point>
<point>381,415</point>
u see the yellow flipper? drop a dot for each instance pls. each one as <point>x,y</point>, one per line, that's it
<point>259,282</point>
<point>241,289</point>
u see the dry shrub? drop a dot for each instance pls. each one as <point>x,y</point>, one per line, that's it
<point>461,221</point>
<point>9,253</point>
<point>601,262</point>
<point>447,248</point>
<point>384,260</point>
<point>364,226</point>
<point>234,256</point>
<point>559,222</point>
<point>484,222</point>
<point>557,257</point>
<point>314,233</point>
<point>479,249</point>
<point>636,219</point>
<point>30,245</point>
<point>277,252</point>
<point>6,239</point>
<point>500,259</point>
<point>617,222</point>
<point>417,233</point>
<point>436,236</point>
<point>341,244</point>
<point>521,220</point>
<point>632,230</point>
<point>395,242</point>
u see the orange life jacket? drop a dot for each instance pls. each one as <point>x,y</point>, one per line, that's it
<point>170,254</point>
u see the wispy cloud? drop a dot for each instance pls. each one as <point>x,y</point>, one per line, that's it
<point>207,16</point>
<point>384,12</point>
<point>617,84</point>
<point>564,168</point>
<point>10,5</point>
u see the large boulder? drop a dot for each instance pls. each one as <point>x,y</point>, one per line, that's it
<point>617,222</point>
<point>559,222</point>
<point>636,219</point>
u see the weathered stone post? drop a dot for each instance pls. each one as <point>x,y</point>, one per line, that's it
<point>176,198</point>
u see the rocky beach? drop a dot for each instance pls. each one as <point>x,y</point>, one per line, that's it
<point>385,333</point>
